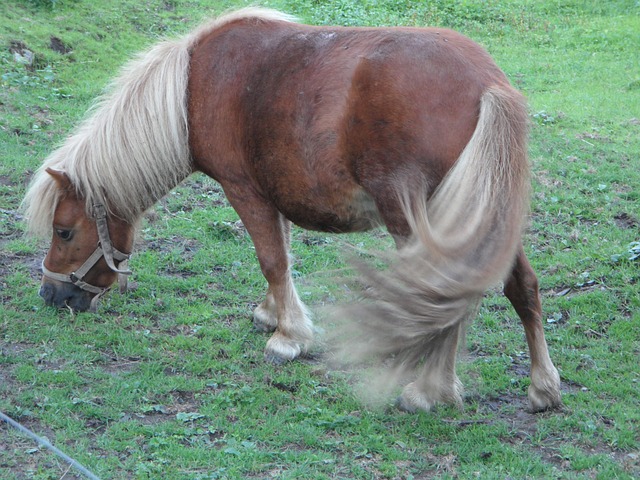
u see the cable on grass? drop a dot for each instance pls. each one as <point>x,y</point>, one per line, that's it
<point>45,443</point>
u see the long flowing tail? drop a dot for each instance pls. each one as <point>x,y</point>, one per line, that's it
<point>464,240</point>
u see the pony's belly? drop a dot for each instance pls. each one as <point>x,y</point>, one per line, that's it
<point>340,213</point>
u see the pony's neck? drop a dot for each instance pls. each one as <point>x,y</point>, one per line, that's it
<point>134,148</point>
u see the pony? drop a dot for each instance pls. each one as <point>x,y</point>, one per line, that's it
<point>333,129</point>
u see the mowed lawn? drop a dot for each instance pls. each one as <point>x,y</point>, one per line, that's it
<point>168,380</point>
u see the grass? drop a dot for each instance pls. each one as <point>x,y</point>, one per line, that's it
<point>168,380</point>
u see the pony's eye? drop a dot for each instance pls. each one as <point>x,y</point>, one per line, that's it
<point>64,234</point>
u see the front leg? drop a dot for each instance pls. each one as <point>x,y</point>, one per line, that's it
<point>294,332</point>
<point>265,316</point>
<point>282,311</point>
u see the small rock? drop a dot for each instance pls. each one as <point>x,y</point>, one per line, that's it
<point>25,57</point>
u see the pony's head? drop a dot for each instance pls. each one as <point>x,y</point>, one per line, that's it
<point>89,248</point>
<point>91,191</point>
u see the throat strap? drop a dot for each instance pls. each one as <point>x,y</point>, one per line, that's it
<point>108,251</point>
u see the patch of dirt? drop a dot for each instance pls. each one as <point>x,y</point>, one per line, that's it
<point>283,386</point>
<point>513,410</point>
<point>169,405</point>
<point>566,291</point>
<point>22,54</point>
<point>625,220</point>
<point>8,262</point>
<point>186,246</point>
<point>544,178</point>
<point>17,46</point>
<point>594,136</point>
<point>195,193</point>
<point>6,181</point>
<point>59,46</point>
<point>116,366</point>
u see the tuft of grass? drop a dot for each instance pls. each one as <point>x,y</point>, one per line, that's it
<point>168,380</point>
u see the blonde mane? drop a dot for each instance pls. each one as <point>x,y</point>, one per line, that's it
<point>133,147</point>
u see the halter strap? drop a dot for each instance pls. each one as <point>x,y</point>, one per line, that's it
<point>104,249</point>
<point>110,253</point>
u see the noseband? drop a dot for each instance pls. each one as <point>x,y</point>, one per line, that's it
<point>104,249</point>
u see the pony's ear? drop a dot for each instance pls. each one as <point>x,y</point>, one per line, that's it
<point>61,178</point>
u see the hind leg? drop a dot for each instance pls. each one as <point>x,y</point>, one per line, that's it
<point>437,381</point>
<point>282,311</point>
<point>521,288</point>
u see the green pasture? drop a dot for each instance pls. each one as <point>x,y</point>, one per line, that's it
<point>168,380</point>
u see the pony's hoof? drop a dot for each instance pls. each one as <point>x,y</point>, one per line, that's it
<point>270,357</point>
<point>545,393</point>
<point>539,403</point>
<point>411,400</point>
<point>404,406</point>
<point>281,349</point>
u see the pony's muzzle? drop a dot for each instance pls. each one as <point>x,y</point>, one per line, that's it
<point>65,295</point>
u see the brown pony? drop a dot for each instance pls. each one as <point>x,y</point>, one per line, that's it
<point>334,129</point>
